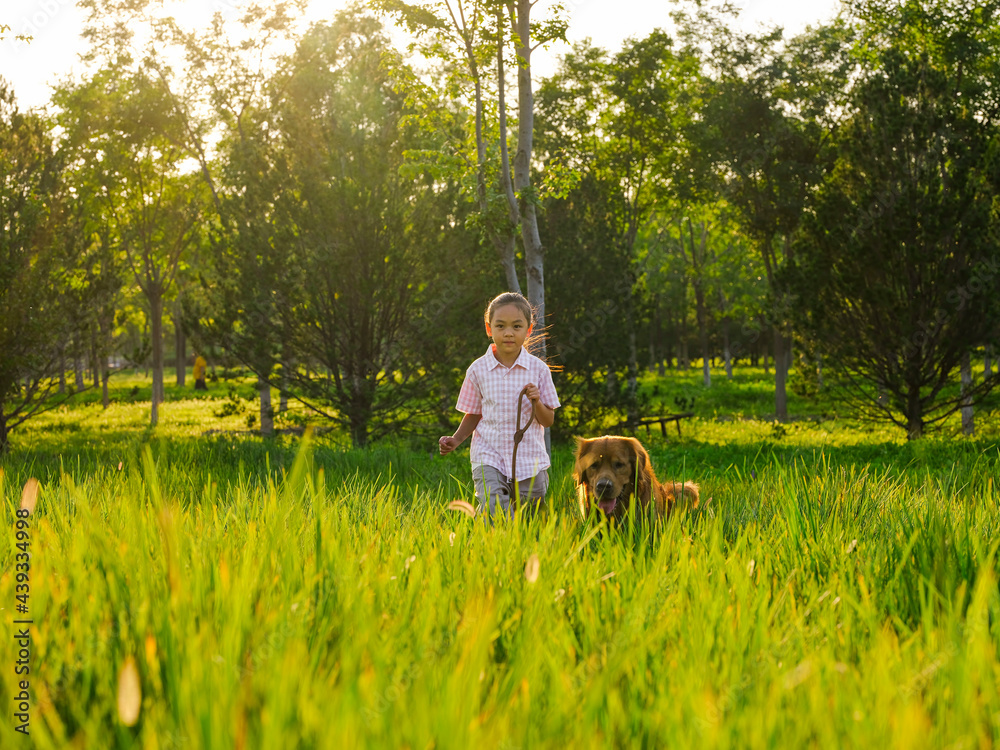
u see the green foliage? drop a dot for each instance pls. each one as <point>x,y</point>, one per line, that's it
<point>344,145</point>
<point>34,321</point>
<point>900,245</point>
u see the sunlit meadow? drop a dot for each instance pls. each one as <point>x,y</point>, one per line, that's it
<point>192,590</point>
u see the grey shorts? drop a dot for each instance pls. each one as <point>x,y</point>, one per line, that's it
<point>495,492</point>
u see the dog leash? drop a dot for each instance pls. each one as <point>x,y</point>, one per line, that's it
<point>518,435</point>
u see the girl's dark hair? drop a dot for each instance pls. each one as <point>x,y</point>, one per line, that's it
<point>509,298</point>
<point>516,298</point>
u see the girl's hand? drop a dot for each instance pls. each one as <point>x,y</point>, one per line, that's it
<point>543,414</point>
<point>446,444</point>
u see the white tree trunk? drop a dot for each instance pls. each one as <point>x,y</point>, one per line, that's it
<point>781,349</point>
<point>533,250</point>
<point>156,337</point>
<point>283,397</point>
<point>266,414</point>
<point>80,383</point>
<point>180,347</point>
<point>726,353</point>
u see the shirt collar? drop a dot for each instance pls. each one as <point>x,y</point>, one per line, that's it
<point>521,361</point>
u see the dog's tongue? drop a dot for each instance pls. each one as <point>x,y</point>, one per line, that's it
<point>608,506</point>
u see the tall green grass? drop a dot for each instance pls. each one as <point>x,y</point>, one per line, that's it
<point>273,596</point>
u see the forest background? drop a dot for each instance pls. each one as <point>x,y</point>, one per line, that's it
<point>330,212</point>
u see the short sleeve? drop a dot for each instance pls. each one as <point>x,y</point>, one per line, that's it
<point>470,399</point>
<point>547,389</point>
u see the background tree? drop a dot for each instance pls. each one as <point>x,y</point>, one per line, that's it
<point>588,337</point>
<point>249,266</point>
<point>358,226</point>
<point>93,272</point>
<point>475,32</point>
<point>223,98</point>
<point>33,319</point>
<point>770,106</point>
<point>468,40</point>
<point>227,100</point>
<point>895,263</point>
<point>615,124</point>
<point>127,132</point>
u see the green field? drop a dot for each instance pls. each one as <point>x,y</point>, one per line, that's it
<point>841,592</point>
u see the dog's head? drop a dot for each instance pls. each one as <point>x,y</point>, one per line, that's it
<point>611,470</point>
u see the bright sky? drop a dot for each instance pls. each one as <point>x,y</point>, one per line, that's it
<point>55,26</point>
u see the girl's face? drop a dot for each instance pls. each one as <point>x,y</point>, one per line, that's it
<point>509,329</point>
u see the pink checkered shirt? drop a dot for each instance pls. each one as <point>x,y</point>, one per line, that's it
<point>491,389</point>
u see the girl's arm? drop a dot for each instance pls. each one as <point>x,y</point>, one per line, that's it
<point>543,414</point>
<point>448,443</point>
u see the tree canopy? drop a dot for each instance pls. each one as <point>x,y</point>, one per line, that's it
<point>332,213</point>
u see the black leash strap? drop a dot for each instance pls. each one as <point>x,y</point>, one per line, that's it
<point>518,435</point>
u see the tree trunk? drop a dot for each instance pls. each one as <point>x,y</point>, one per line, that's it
<point>780,376</point>
<point>283,397</point>
<point>699,297</point>
<point>726,354</point>
<point>503,239</point>
<point>156,339</point>
<point>266,413</point>
<point>706,356</point>
<point>914,414</point>
<point>706,372</point>
<point>652,342</point>
<point>633,371</point>
<point>358,413</point>
<point>988,361</point>
<point>534,253</point>
<point>105,375</point>
<point>506,247</point>
<point>180,348</point>
<point>968,420</point>
<point>95,360</point>
<point>80,383</point>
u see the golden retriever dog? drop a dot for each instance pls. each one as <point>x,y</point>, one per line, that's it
<point>614,470</point>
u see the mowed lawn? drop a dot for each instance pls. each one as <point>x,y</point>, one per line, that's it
<point>216,591</point>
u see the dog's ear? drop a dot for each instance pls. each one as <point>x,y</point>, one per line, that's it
<point>642,469</point>
<point>583,447</point>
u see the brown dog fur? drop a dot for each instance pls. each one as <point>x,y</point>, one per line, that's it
<point>611,470</point>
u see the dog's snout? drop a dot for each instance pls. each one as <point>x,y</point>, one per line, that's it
<point>604,487</point>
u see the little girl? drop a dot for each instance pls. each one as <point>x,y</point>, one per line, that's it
<point>489,399</point>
